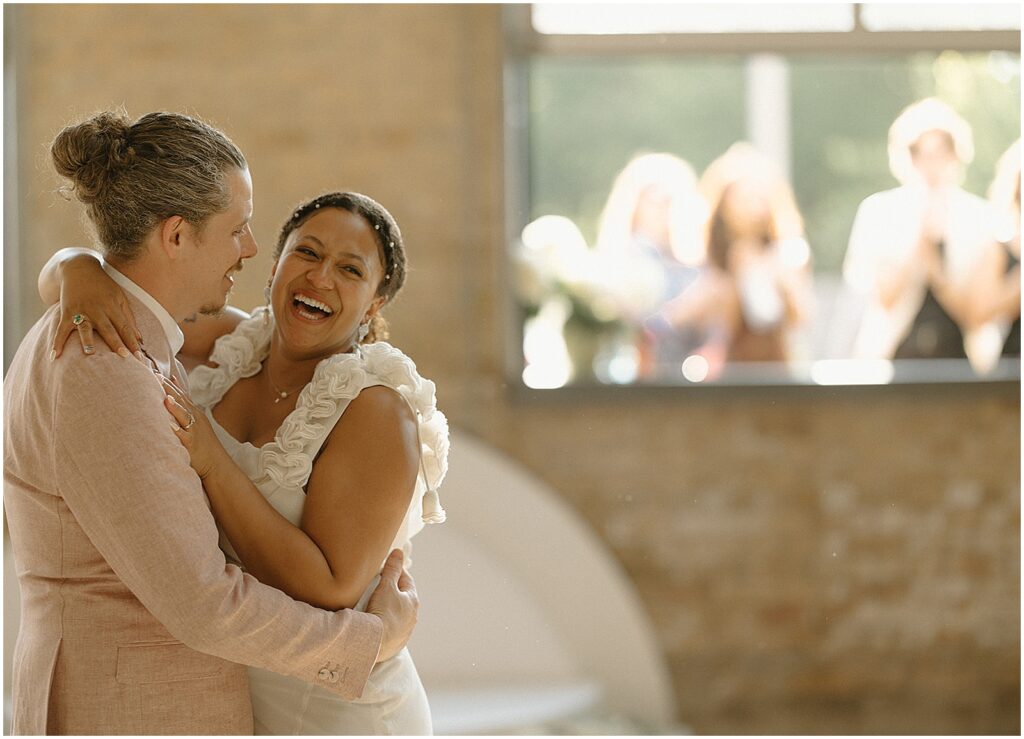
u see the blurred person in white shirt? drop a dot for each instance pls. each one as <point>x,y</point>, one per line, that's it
<point>913,248</point>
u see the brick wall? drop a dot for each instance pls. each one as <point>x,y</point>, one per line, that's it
<point>819,561</point>
<point>818,564</point>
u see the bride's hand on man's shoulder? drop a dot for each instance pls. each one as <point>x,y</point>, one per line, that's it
<point>192,428</point>
<point>92,303</point>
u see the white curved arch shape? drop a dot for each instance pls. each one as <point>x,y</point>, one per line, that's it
<point>521,599</point>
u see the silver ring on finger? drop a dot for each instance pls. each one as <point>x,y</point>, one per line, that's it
<point>191,421</point>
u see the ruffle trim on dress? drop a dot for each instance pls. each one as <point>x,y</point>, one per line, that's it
<point>238,355</point>
<point>288,460</point>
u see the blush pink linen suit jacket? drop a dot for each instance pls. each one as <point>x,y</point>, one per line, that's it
<point>132,622</point>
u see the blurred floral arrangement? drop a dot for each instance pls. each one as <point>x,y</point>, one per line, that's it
<point>577,300</point>
<point>555,262</point>
<point>606,290</point>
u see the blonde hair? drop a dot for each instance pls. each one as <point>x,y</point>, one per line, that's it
<point>917,119</point>
<point>687,210</point>
<point>742,161</point>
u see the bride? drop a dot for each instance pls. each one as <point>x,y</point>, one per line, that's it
<point>319,445</point>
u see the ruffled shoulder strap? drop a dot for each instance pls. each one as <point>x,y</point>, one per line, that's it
<point>288,459</point>
<point>398,372</point>
<point>238,354</point>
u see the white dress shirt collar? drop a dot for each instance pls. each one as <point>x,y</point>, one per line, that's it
<point>175,338</point>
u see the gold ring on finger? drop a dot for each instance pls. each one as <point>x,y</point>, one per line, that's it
<point>78,319</point>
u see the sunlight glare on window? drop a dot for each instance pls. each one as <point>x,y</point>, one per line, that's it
<point>640,18</point>
<point>696,368</point>
<point>1003,67</point>
<point>852,372</point>
<point>940,17</point>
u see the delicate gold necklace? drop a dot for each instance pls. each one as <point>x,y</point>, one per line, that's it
<point>281,394</point>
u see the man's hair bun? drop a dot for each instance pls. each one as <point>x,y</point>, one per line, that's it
<point>91,153</point>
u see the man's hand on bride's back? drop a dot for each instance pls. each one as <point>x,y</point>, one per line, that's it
<point>396,603</point>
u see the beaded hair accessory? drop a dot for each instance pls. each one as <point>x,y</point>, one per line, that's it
<point>316,204</point>
<point>387,275</point>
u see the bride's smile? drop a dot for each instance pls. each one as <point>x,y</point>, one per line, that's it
<point>325,284</point>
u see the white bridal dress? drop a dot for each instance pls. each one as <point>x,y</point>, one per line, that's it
<point>393,701</point>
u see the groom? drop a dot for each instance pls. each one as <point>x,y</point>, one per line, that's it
<point>132,622</point>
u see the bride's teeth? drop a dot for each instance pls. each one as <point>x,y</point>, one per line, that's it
<point>314,303</point>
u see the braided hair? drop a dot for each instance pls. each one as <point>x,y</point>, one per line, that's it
<point>389,241</point>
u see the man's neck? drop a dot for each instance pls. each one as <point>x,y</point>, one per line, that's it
<point>154,280</point>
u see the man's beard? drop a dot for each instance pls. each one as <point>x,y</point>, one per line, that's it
<point>212,310</point>
<point>206,310</point>
<point>216,310</point>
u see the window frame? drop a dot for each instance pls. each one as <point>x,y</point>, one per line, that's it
<point>522,43</point>
<point>523,40</point>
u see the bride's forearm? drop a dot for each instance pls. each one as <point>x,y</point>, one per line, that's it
<point>273,550</point>
<point>50,275</point>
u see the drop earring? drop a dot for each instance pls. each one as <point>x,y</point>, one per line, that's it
<point>364,329</point>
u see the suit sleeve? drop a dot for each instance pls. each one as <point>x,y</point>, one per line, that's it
<point>128,482</point>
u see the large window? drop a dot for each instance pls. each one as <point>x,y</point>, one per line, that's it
<point>686,181</point>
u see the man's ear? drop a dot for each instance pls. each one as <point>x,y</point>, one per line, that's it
<point>174,231</point>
